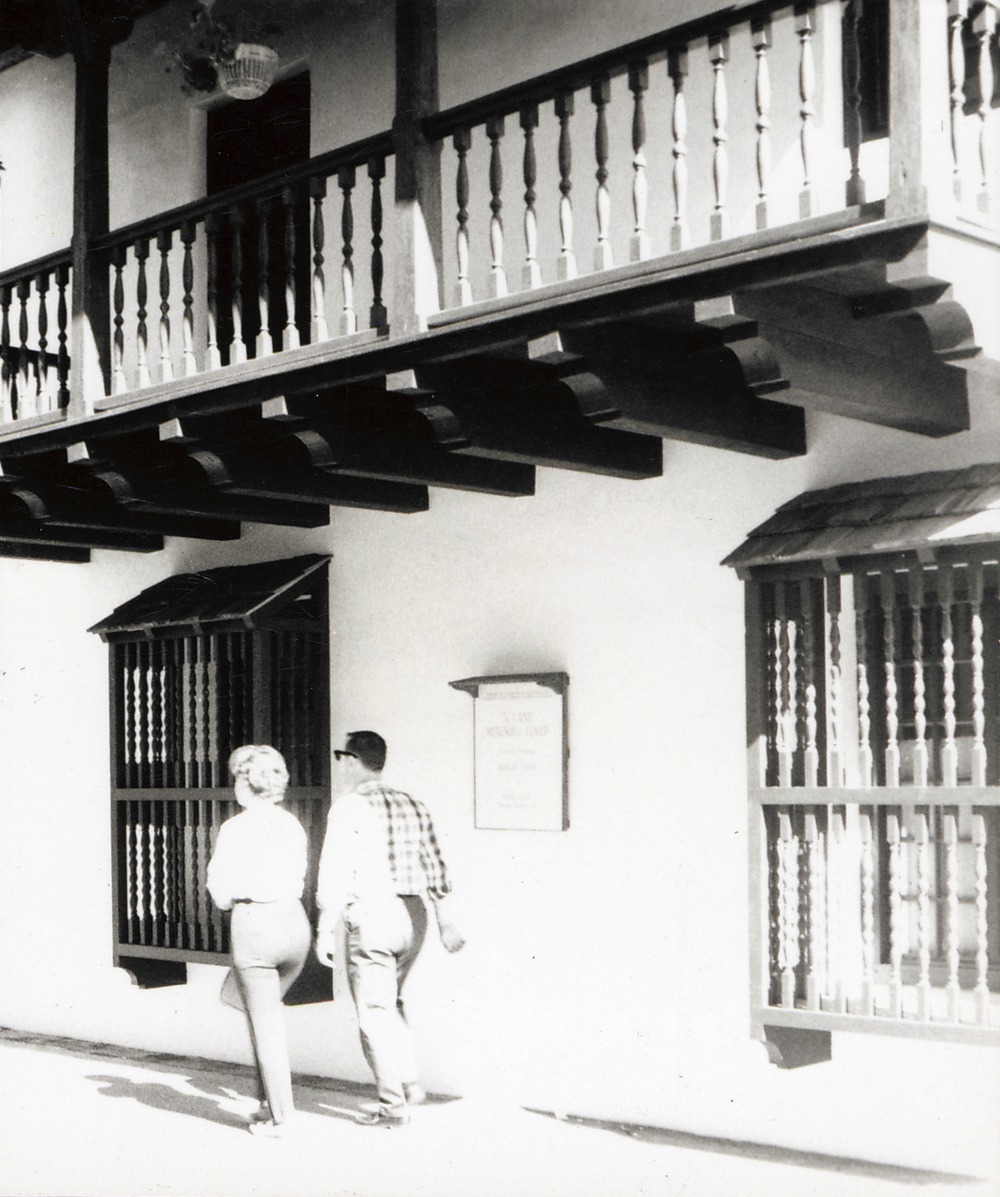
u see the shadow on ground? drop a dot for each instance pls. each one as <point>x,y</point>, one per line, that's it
<point>767,1153</point>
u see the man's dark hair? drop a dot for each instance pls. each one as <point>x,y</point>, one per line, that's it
<point>368,747</point>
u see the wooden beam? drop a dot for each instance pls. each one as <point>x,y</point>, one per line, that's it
<point>90,327</point>
<point>700,384</point>
<point>508,412</point>
<point>417,250</point>
<point>25,531</point>
<point>239,476</point>
<point>362,433</point>
<point>169,486</point>
<point>43,552</point>
<point>87,499</point>
<point>890,369</point>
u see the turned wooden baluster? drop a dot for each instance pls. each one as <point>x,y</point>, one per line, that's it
<point>164,240</point>
<point>835,882</point>
<point>27,392</point>
<point>835,688</point>
<point>207,757</point>
<point>187,300</point>
<point>897,931</point>
<point>377,316</point>
<point>949,750</point>
<point>888,590</point>
<point>677,66</point>
<point>498,276</point>
<point>147,864</point>
<point>760,29</point>
<point>600,94</point>
<point>805,26</point>
<point>816,924</point>
<point>142,713</point>
<point>317,192</point>
<point>855,189</point>
<point>566,264</point>
<point>6,374</point>
<point>785,689</point>
<point>129,741</point>
<point>141,250</point>
<point>788,908</point>
<point>532,273</point>
<point>462,140</point>
<point>864,707</point>
<point>984,24</point>
<point>45,396</point>
<point>265,345</point>
<point>131,812</point>
<point>290,333</point>
<point>975,572</point>
<point>638,81</point>
<point>718,48</point>
<point>982,990</point>
<point>867,914</point>
<point>957,13</point>
<point>120,382</point>
<point>346,178</point>
<point>62,325</point>
<point>921,758</point>
<point>237,223</point>
<point>924,929</point>
<point>952,990</point>
<point>213,354</point>
<point>810,756</point>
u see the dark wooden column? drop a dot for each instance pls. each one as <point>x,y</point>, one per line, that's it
<point>90,319</point>
<point>416,290</point>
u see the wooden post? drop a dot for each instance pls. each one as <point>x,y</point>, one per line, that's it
<point>90,363</point>
<point>921,169</point>
<point>417,258</point>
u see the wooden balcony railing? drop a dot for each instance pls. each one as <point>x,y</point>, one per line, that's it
<point>34,339</point>
<point>741,123</point>
<point>875,802</point>
<point>243,275</point>
<point>690,142</point>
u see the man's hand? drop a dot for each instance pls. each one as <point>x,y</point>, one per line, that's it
<point>326,942</point>
<point>451,937</point>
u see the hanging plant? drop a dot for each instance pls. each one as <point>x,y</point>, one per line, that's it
<point>233,54</point>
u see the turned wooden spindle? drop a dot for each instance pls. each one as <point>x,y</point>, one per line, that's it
<point>346,177</point>
<point>532,273</point>
<point>317,193</point>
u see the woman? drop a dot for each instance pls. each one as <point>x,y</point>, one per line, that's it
<point>257,871</point>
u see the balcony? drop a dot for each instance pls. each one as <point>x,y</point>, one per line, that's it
<point>700,235</point>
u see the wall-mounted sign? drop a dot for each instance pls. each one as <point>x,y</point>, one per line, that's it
<point>520,750</point>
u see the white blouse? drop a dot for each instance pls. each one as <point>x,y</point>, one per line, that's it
<point>260,854</point>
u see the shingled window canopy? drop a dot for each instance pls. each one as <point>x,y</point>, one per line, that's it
<point>873,689</point>
<point>201,663</point>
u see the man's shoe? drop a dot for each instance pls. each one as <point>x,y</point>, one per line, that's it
<point>383,1119</point>
<point>416,1094</point>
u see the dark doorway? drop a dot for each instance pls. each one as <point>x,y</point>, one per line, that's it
<point>247,140</point>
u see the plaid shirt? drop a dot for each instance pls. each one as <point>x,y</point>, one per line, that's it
<point>379,842</point>
<point>414,856</point>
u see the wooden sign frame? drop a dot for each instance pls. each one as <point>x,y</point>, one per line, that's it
<point>520,750</point>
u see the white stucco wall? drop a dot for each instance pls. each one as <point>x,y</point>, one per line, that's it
<point>606,970</point>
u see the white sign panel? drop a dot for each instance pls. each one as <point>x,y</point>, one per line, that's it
<point>519,756</point>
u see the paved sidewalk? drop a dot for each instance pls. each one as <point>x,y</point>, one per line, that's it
<point>81,1118</point>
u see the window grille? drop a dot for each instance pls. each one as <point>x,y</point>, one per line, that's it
<point>199,665</point>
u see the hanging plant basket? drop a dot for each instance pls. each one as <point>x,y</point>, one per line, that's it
<point>250,72</point>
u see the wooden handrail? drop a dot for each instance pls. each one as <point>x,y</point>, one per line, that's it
<point>908,796</point>
<point>44,265</point>
<point>267,186</point>
<point>579,74</point>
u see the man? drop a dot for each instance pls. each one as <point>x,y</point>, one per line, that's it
<point>380,857</point>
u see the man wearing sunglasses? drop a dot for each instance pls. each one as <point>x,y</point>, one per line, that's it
<point>380,859</point>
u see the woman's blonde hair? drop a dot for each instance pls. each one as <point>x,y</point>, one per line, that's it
<point>264,769</point>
